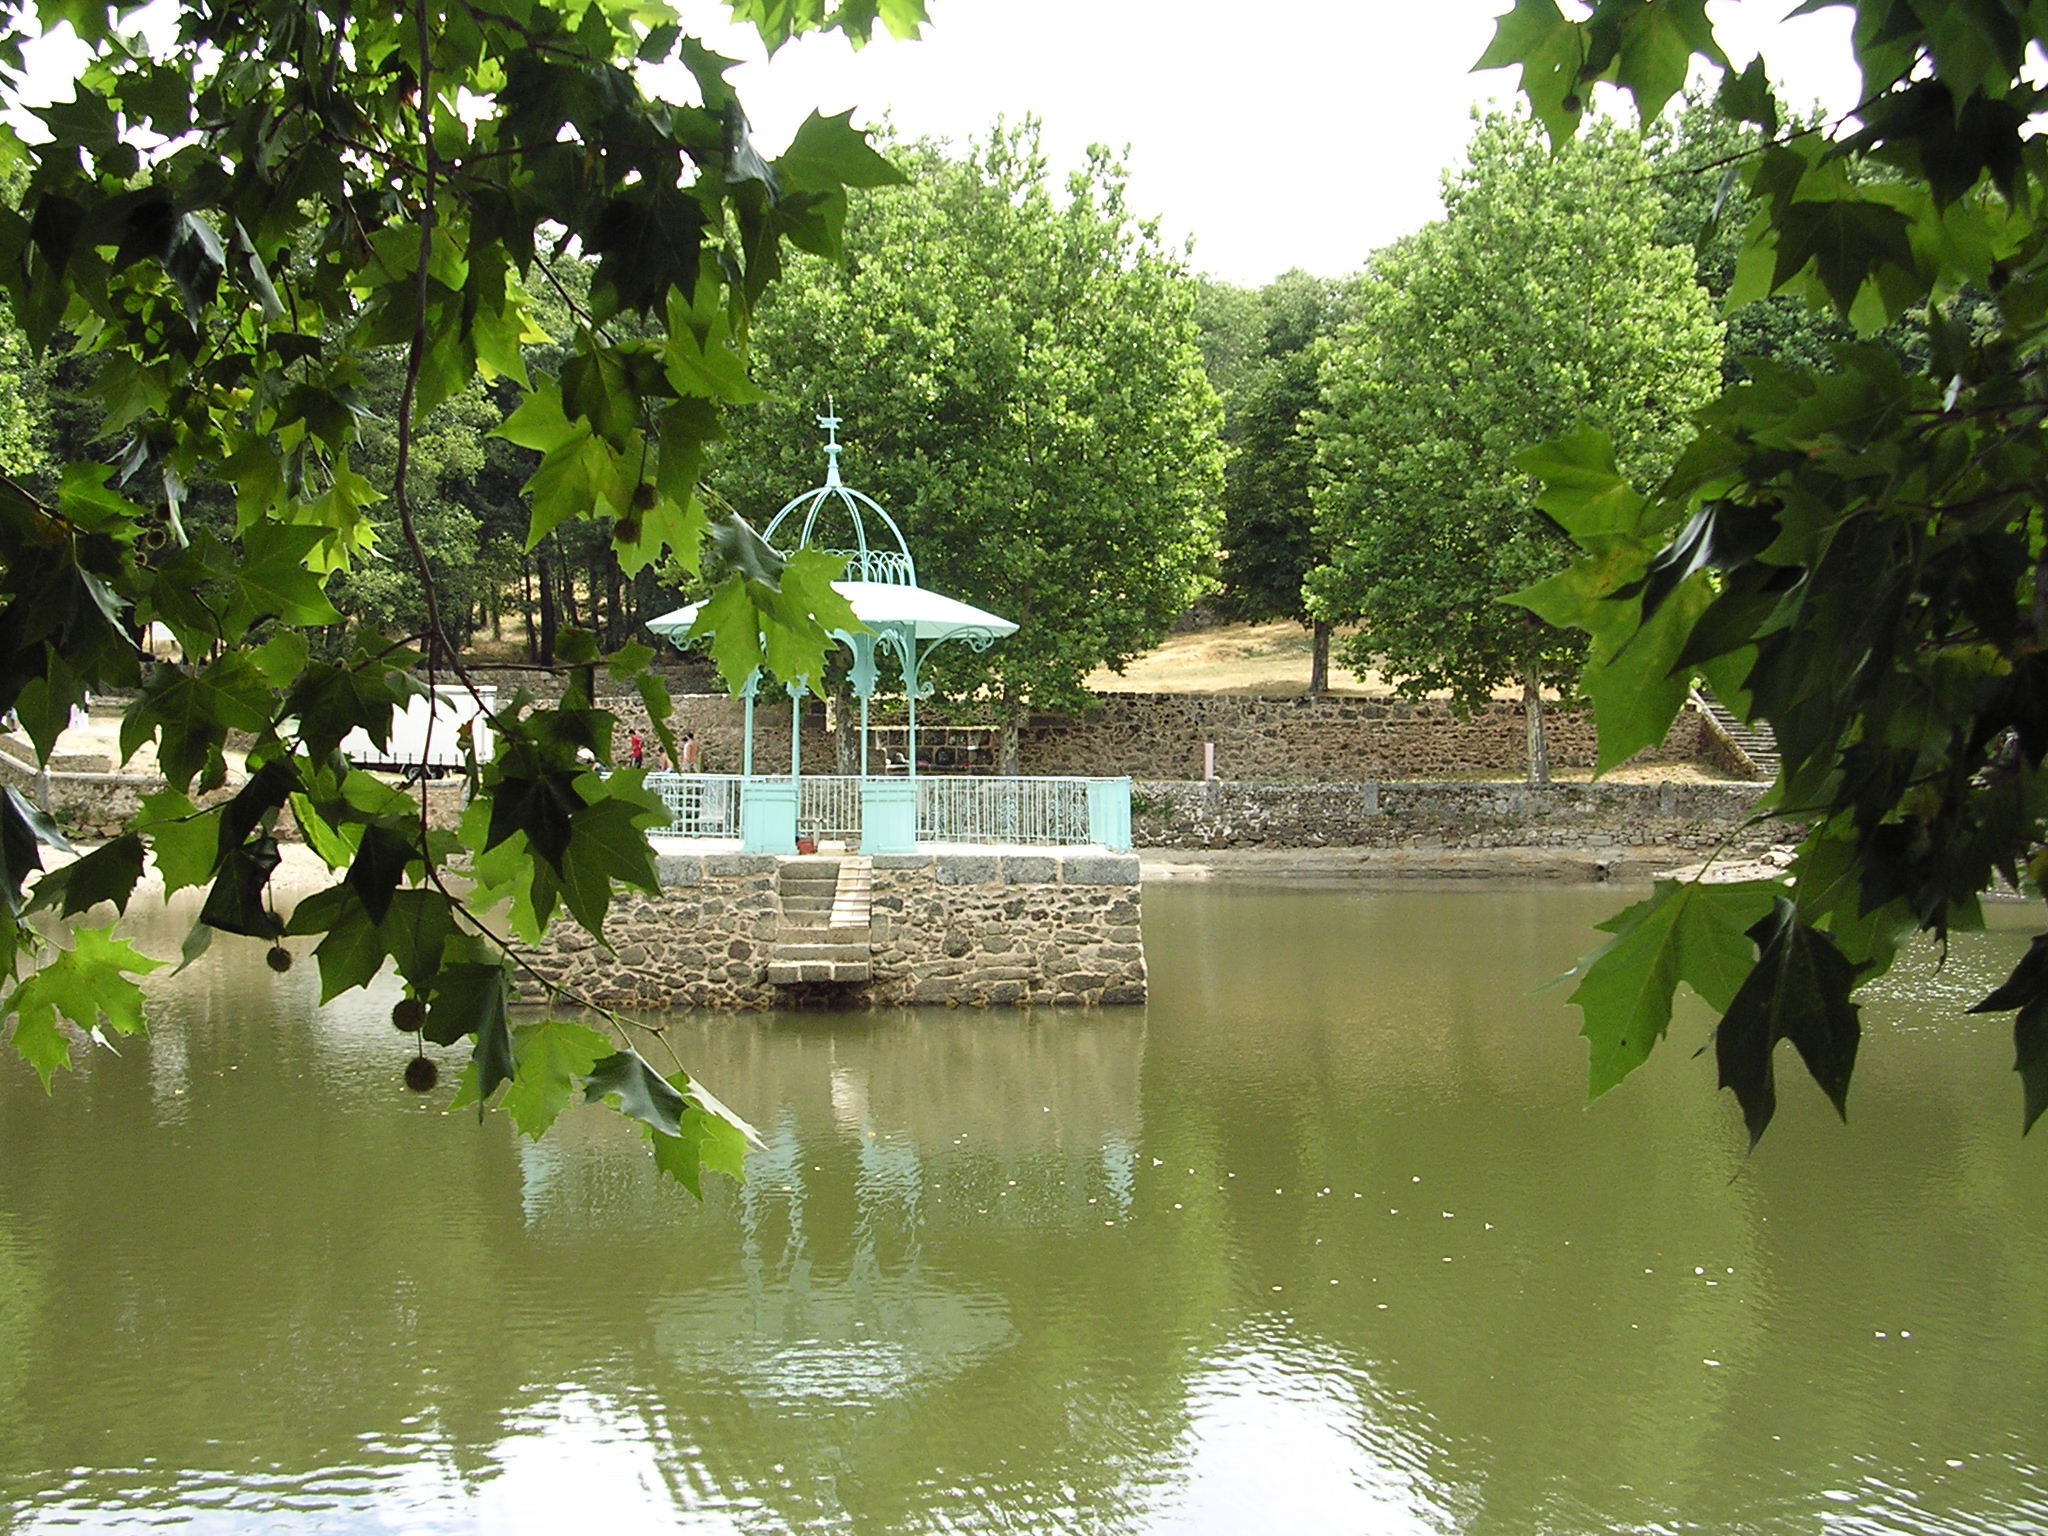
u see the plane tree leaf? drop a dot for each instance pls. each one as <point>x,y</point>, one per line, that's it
<point>551,1060</point>
<point>109,872</point>
<point>88,984</point>
<point>1687,932</point>
<point>1799,991</point>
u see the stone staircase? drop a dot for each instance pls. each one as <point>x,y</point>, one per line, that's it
<point>827,932</point>
<point>1756,745</point>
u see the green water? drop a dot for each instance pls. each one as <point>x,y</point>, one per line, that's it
<point>1322,1240</point>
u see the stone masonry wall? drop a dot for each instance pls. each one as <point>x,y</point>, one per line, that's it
<point>949,929</point>
<point>1007,928</point>
<point>1160,736</point>
<point>1228,814</point>
<point>1300,740</point>
<point>702,943</point>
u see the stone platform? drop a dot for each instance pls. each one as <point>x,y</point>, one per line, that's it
<point>945,926</point>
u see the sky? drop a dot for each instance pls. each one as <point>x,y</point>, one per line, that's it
<point>1270,133</point>
<point>1276,133</point>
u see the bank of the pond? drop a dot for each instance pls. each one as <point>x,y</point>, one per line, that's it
<point>1391,866</point>
<point>1599,818</point>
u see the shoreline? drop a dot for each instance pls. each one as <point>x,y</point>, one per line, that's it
<point>300,872</point>
<point>1398,866</point>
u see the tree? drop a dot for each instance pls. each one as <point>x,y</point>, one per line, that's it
<point>227,230</point>
<point>1022,389</point>
<point>1540,300</point>
<point>1269,521</point>
<point>1855,552</point>
<point>1230,324</point>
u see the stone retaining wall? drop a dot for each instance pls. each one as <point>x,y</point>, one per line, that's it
<point>1225,814</point>
<point>85,805</point>
<point>1161,736</point>
<point>1056,928</point>
<point>1333,739</point>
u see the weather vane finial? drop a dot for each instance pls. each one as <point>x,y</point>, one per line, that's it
<point>830,423</point>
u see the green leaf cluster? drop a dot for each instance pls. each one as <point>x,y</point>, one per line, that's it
<point>293,263</point>
<point>1852,549</point>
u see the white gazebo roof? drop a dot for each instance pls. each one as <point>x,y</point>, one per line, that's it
<point>930,616</point>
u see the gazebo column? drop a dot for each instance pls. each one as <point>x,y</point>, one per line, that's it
<point>888,806</point>
<point>796,728</point>
<point>862,679</point>
<point>906,650</point>
<point>767,806</point>
<point>748,689</point>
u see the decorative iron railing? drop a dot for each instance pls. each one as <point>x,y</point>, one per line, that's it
<point>991,810</point>
<point>828,808</point>
<point>699,804</point>
<point>969,809</point>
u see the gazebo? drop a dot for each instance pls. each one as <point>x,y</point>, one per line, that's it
<point>901,621</point>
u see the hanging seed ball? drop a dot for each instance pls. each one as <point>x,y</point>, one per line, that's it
<point>408,1015</point>
<point>643,497</point>
<point>421,1074</point>
<point>279,959</point>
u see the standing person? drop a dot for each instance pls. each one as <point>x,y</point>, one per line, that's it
<point>691,752</point>
<point>638,748</point>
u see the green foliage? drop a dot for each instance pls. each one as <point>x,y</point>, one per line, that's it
<point>1541,300</point>
<point>287,273</point>
<point>1696,154</point>
<point>1691,933</point>
<point>86,983</point>
<point>1853,552</point>
<point>1269,527</point>
<point>1022,388</point>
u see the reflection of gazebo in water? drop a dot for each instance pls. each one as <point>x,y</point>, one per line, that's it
<point>903,623</point>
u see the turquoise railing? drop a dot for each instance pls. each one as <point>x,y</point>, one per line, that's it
<point>960,809</point>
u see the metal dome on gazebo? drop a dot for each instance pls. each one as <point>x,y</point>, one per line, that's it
<point>900,619</point>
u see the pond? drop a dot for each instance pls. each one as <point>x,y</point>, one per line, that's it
<point>1324,1239</point>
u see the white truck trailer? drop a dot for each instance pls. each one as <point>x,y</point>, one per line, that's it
<point>428,733</point>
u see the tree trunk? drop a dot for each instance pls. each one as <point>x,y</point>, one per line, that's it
<point>1006,738</point>
<point>566,595</point>
<point>1319,658</point>
<point>603,615</point>
<point>526,607</point>
<point>845,731</point>
<point>1539,746</point>
<point>545,580</point>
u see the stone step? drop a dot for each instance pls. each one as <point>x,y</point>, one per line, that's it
<point>824,934</point>
<point>853,901</point>
<point>786,973</point>
<point>856,952</point>
<point>1756,745</point>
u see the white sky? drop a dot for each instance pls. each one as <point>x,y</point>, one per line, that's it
<point>1274,133</point>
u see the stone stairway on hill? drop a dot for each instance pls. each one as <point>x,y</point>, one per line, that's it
<point>1753,742</point>
<point>827,931</point>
